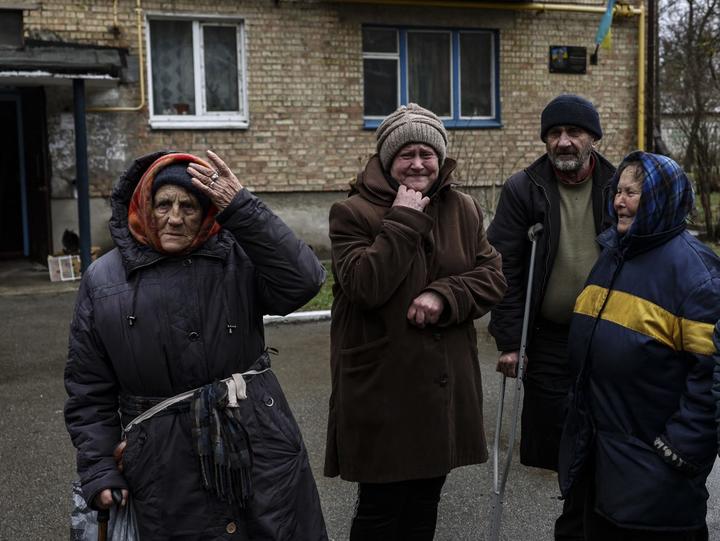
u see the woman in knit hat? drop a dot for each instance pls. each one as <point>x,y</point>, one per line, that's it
<point>412,271</point>
<point>175,311</point>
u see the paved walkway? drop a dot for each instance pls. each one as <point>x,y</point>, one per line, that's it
<point>38,460</point>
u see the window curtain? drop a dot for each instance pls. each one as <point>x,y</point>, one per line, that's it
<point>173,71</point>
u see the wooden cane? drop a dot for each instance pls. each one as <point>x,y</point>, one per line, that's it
<point>103,515</point>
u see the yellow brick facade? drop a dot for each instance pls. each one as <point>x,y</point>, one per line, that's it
<point>304,69</point>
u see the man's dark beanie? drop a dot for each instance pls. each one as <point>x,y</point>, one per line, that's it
<point>176,173</point>
<point>569,109</point>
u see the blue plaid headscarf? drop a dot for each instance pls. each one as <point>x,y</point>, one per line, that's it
<point>667,195</point>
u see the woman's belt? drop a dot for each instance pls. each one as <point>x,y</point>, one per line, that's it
<point>142,408</point>
<point>220,435</point>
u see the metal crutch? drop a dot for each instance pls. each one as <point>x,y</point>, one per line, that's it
<point>499,483</point>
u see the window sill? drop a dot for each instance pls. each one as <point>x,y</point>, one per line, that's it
<point>189,123</point>
<point>371,124</point>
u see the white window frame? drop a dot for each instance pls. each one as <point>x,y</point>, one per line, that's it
<point>387,56</point>
<point>203,119</point>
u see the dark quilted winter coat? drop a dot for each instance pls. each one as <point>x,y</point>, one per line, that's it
<point>406,401</point>
<point>197,318</point>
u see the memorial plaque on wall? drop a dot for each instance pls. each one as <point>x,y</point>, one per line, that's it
<point>566,59</point>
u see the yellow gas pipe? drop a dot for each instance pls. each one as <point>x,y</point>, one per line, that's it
<point>141,68</point>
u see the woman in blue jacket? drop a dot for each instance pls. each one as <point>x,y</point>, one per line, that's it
<point>640,433</point>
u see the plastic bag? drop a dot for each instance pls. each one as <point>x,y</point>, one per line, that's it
<point>122,525</point>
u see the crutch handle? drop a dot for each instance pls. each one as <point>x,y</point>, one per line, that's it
<point>535,231</point>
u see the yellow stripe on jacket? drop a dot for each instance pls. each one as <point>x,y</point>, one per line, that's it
<point>645,317</point>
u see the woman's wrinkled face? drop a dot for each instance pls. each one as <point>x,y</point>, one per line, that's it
<point>627,198</point>
<point>416,167</point>
<point>178,217</point>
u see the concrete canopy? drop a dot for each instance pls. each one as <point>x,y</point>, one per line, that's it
<point>47,62</point>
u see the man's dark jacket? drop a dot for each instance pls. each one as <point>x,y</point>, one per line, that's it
<point>197,318</point>
<point>528,197</point>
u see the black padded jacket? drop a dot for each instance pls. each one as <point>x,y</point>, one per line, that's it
<point>528,197</point>
<point>151,325</point>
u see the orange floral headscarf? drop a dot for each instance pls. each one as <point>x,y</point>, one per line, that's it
<point>140,214</point>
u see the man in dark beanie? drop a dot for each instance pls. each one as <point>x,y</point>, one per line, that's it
<point>566,190</point>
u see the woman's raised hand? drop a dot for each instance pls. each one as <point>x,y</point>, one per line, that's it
<point>407,197</point>
<point>219,184</point>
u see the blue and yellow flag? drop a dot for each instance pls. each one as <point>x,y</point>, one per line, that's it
<point>603,31</point>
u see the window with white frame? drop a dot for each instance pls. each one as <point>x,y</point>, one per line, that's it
<point>196,73</point>
<point>452,72</point>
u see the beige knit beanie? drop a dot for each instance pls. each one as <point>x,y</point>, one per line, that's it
<point>410,124</point>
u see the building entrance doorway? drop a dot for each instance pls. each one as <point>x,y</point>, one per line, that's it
<point>11,183</point>
<point>24,175</point>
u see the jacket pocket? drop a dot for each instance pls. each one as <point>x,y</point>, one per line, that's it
<point>358,351</point>
<point>362,385</point>
<point>280,460</point>
<point>273,412</point>
<point>635,488</point>
<point>139,463</point>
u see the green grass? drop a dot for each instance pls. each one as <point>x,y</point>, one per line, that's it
<point>323,300</point>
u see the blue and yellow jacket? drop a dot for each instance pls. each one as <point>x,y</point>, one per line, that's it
<point>641,347</point>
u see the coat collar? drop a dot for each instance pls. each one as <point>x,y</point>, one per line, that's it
<point>541,171</point>
<point>636,244</point>
<point>373,185</point>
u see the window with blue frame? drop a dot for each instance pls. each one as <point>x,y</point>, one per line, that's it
<point>452,72</point>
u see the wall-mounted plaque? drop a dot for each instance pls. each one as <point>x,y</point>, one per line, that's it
<point>566,59</point>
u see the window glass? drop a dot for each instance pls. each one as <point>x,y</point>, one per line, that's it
<point>429,71</point>
<point>381,90</point>
<point>379,40</point>
<point>475,74</point>
<point>173,71</point>
<point>11,28</point>
<point>221,62</point>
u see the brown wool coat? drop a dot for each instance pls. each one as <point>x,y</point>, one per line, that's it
<point>406,402</point>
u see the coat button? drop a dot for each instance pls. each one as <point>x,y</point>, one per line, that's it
<point>187,262</point>
<point>231,527</point>
<point>194,336</point>
<point>442,380</point>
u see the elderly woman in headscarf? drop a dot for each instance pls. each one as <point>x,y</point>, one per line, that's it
<point>640,431</point>
<point>413,270</point>
<point>167,349</point>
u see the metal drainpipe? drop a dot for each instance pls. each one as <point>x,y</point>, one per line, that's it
<point>141,68</point>
<point>81,172</point>
<point>621,10</point>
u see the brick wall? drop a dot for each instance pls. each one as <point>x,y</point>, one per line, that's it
<point>305,89</point>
